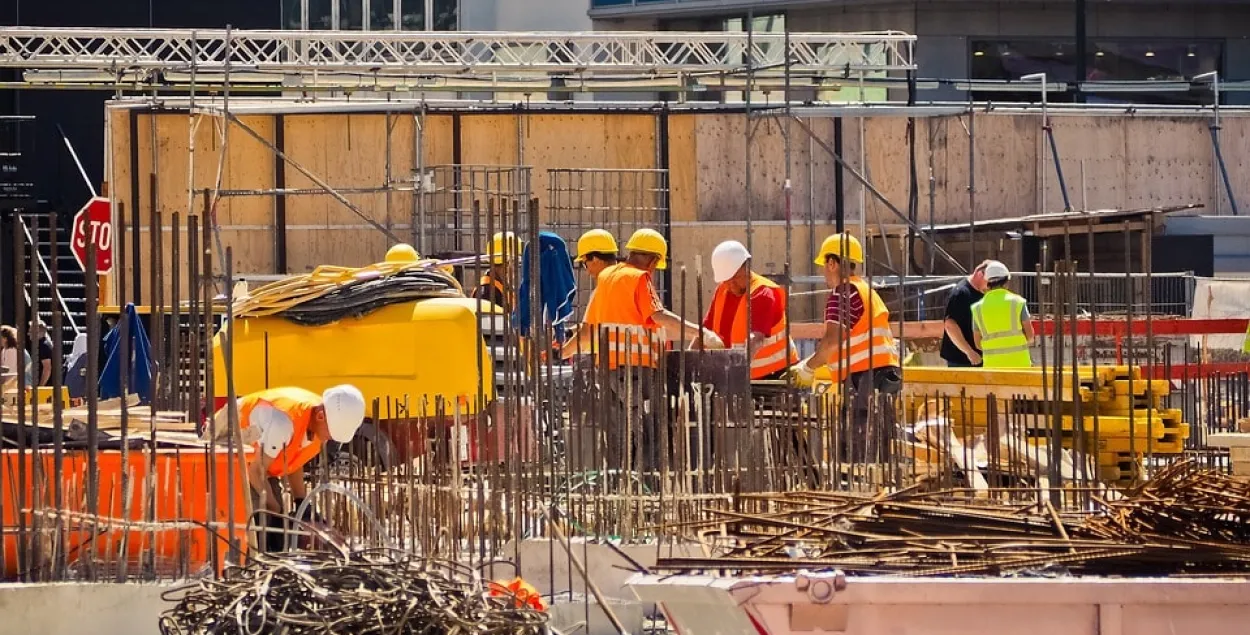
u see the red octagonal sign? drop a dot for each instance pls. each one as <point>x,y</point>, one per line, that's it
<point>94,222</point>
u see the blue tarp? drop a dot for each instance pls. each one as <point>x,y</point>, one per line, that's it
<point>140,371</point>
<point>558,286</point>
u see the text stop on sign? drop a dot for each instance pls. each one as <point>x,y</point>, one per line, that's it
<point>94,224</point>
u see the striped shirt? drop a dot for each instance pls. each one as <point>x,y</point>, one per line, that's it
<point>844,306</point>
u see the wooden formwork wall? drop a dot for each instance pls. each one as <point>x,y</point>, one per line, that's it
<point>1109,162</point>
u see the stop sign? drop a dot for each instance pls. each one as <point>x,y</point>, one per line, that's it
<point>94,222</point>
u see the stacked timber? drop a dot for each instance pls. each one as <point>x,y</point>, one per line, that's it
<point>139,420</point>
<point>1111,413</point>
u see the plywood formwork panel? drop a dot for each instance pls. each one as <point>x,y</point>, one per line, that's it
<point>489,139</point>
<point>1006,160</point>
<point>722,156</point>
<point>683,168</point>
<point>885,143</point>
<point>1168,162</point>
<point>1096,144</point>
<point>1234,141</point>
<point>311,248</point>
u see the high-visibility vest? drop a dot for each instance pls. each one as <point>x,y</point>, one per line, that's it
<point>997,316</point>
<point>870,343</point>
<point>770,354</point>
<point>298,405</point>
<point>1245,345</point>
<point>621,331</point>
<point>488,280</point>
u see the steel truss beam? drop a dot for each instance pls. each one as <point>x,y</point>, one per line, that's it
<point>463,54</point>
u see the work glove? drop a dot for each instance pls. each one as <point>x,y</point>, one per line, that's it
<point>712,341</point>
<point>801,375</point>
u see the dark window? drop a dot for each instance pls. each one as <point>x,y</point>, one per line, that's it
<point>446,15</point>
<point>412,15</point>
<point>1167,61</point>
<point>319,14</point>
<point>381,15</point>
<point>351,15</point>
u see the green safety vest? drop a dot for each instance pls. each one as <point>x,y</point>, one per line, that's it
<point>1245,345</point>
<point>997,318</point>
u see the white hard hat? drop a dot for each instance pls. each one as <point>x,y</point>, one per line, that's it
<point>345,411</point>
<point>995,270</point>
<point>727,259</point>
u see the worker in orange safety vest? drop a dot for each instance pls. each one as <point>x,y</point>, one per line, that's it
<point>857,345</point>
<point>771,352</point>
<point>288,427</point>
<point>496,286</point>
<point>625,328</point>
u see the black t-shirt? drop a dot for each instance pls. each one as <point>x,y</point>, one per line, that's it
<point>959,309</point>
<point>45,352</point>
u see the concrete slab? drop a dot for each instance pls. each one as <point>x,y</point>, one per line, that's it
<point>77,608</point>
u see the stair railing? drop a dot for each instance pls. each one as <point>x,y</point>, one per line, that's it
<point>37,256</point>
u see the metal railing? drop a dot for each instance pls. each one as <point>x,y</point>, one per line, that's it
<point>37,257</point>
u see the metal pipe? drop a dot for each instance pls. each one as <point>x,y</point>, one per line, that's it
<point>1214,77</point>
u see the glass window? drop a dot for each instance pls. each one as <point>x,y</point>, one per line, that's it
<point>291,17</point>
<point>381,15</point>
<point>351,15</point>
<point>1106,61</point>
<point>412,15</point>
<point>446,15</point>
<point>320,14</point>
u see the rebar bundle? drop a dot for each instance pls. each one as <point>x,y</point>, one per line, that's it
<point>374,591</point>
<point>1185,521</point>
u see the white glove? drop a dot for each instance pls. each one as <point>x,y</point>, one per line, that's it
<point>802,374</point>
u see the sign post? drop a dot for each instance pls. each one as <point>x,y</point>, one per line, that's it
<point>94,222</point>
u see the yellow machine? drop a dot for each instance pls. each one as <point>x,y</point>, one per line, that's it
<point>419,355</point>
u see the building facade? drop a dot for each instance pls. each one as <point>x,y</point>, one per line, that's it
<point>1166,44</point>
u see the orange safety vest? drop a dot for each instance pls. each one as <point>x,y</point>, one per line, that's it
<point>298,404</point>
<point>770,355</point>
<point>613,313</point>
<point>871,343</point>
<point>504,292</point>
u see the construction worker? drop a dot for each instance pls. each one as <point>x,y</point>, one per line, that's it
<point>495,286</point>
<point>1003,328</point>
<point>957,348</point>
<point>596,251</point>
<point>772,353</point>
<point>623,324</point>
<point>857,345</point>
<point>288,427</point>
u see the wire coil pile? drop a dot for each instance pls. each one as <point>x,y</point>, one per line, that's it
<point>361,593</point>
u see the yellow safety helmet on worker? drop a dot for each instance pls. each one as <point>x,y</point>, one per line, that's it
<point>841,246</point>
<point>595,241</point>
<point>649,241</point>
<point>504,246</point>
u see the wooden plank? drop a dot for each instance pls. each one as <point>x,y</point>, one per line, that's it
<point>1228,440</point>
<point>683,168</point>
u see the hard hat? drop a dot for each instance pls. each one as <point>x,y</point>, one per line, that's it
<point>595,241</point>
<point>651,242</point>
<point>834,246</point>
<point>995,270</point>
<point>345,411</point>
<point>727,259</point>
<point>504,245</point>
<point>402,252</point>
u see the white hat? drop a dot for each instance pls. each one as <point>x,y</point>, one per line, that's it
<point>345,411</point>
<point>727,259</point>
<point>995,270</point>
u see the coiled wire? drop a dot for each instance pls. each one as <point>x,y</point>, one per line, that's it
<point>378,591</point>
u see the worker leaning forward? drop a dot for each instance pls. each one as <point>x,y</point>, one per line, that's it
<point>495,286</point>
<point>1002,326</point>
<point>859,348</point>
<point>772,353</point>
<point>288,427</point>
<point>596,251</point>
<point>624,329</point>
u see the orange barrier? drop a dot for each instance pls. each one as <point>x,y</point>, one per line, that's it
<point>181,494</point>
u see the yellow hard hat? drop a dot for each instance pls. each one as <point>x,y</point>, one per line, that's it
<point>651,242</point>
<point>504,245</point>
<point>402,253</point>
<point>595,241</point>
<point>835,246</point>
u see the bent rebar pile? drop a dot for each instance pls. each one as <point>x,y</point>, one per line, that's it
<point>375,591</point>
<point>1184,521</point>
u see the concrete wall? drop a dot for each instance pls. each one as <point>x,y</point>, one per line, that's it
<point>74,609</point>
